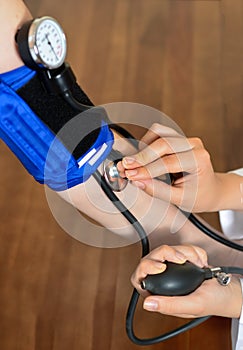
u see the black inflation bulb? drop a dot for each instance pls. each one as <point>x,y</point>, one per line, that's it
<point>177,279</point>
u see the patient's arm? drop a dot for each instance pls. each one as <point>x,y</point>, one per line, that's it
<point>12,15</point>
<point>85,197</point>
<point>90,199</point>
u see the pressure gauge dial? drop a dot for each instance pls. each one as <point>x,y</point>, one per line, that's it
<point>42,43</point>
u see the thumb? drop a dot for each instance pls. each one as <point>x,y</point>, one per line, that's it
<point>175,306</point>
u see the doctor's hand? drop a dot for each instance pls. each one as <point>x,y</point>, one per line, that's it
<point>210,298</point>
<point>164,151</point>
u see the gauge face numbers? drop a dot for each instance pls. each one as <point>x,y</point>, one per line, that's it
<point>50,43</point>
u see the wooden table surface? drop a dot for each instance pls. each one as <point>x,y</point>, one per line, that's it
<point>182,57</point>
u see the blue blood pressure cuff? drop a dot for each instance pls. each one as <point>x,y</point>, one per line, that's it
<point>57,145</point>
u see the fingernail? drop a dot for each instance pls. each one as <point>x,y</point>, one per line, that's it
<point>151,305</point>
<point>131,172</point>
<point>139,184</point>
<point>119,166</point>
<point>128,160</point>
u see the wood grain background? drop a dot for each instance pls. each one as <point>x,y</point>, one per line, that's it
<point>182,57</point>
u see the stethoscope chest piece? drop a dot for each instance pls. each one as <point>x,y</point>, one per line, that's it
<point>113,178</point>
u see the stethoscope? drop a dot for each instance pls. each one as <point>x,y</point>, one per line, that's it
<point>192,275</point>
<point>185,278</point>
<point>111,182</point>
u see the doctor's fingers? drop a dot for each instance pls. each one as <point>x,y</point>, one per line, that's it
<point>157,131</point>
<point>160,148</point>
<point>183,195</point>
<point>172,164</point>
<point>153,263</point>
<point>179,254</point>
<point>189,306</point>
<point>146,267</point>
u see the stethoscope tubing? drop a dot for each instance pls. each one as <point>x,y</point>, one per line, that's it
<point>145,242</point>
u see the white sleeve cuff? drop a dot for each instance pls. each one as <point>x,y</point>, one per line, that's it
<point>237,328</point>
<point>232,221</point>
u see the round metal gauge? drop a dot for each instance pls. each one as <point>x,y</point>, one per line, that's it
<point>42,43</point>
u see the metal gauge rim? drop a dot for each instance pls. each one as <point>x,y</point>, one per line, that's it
<point>34,46</point>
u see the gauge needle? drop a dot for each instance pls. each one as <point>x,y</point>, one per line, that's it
<point>49,43</point>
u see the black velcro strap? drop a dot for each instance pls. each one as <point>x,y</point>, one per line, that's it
<point>55,112</point>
